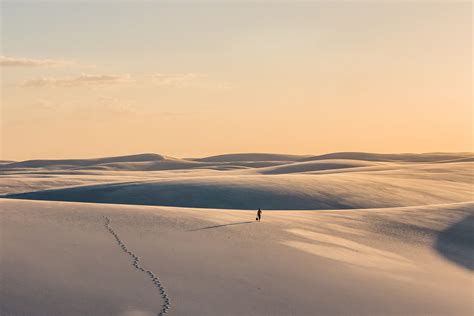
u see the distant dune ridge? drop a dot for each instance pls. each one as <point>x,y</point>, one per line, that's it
<point>427,157</point>
<point>83,162</point>
<point>249,181</point>
<point>239,158</point>
<point>251,157</point>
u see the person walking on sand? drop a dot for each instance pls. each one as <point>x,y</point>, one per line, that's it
<point>259,215</point>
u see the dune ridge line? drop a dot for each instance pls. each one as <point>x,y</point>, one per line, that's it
<point>166,301</point>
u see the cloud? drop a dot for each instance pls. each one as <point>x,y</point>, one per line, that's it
<point>187,80</point>
<point>30,62</point>
<point>82,80</point>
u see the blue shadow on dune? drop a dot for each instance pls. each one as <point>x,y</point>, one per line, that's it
<point>217,226</point>
<point>196,194</point>
<point>456,243</point>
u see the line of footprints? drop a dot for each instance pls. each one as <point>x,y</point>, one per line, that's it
<point>154,278</point>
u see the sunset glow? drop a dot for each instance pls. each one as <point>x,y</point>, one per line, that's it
<point>195,79</point>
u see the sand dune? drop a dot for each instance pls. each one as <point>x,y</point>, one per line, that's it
<point>428,157</point>
<point>319,165</point>
<point>254,157</point>
<point>155,162</point>
<point>150,162</point>
<point>390,186</point>
<point>163,164</point>
<point>65,163</point>
<point>381,235</point>
<point>398,261</point>
<point>277,193</point>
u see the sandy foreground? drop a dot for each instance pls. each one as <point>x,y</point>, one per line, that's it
<point>58,258</point>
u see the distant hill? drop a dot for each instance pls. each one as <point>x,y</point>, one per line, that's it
<point>251,157</point>
<point>83,162</point>
<point>426,157</point>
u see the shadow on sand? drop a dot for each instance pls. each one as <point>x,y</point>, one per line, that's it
<point>456,243</point>
<point>217,226</point>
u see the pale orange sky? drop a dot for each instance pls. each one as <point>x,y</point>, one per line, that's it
<point>187,79</point>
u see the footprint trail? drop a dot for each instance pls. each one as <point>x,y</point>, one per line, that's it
<point>166,301</point>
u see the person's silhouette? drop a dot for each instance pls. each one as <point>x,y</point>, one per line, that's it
<point>259,215</point>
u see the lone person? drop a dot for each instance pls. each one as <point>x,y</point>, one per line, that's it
<point>259,215</point>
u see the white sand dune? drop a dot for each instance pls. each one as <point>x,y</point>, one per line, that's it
<point>60,259</point>
<point>318,165</point>
<point>381,235</point>
<point>149,162</point>
<point>155,162</point>
<point>64,163</point>
<point>253,157</point>
<point>427,157</point>
<point>387,187</point>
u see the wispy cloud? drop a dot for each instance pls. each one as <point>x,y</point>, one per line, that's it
<point>82,80</point>
<point>187,80</point>
<point>31,62</point>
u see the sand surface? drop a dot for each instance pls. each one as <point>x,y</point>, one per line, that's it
<point>388,236</point>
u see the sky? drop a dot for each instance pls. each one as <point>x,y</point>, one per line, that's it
<point>196,78</point>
